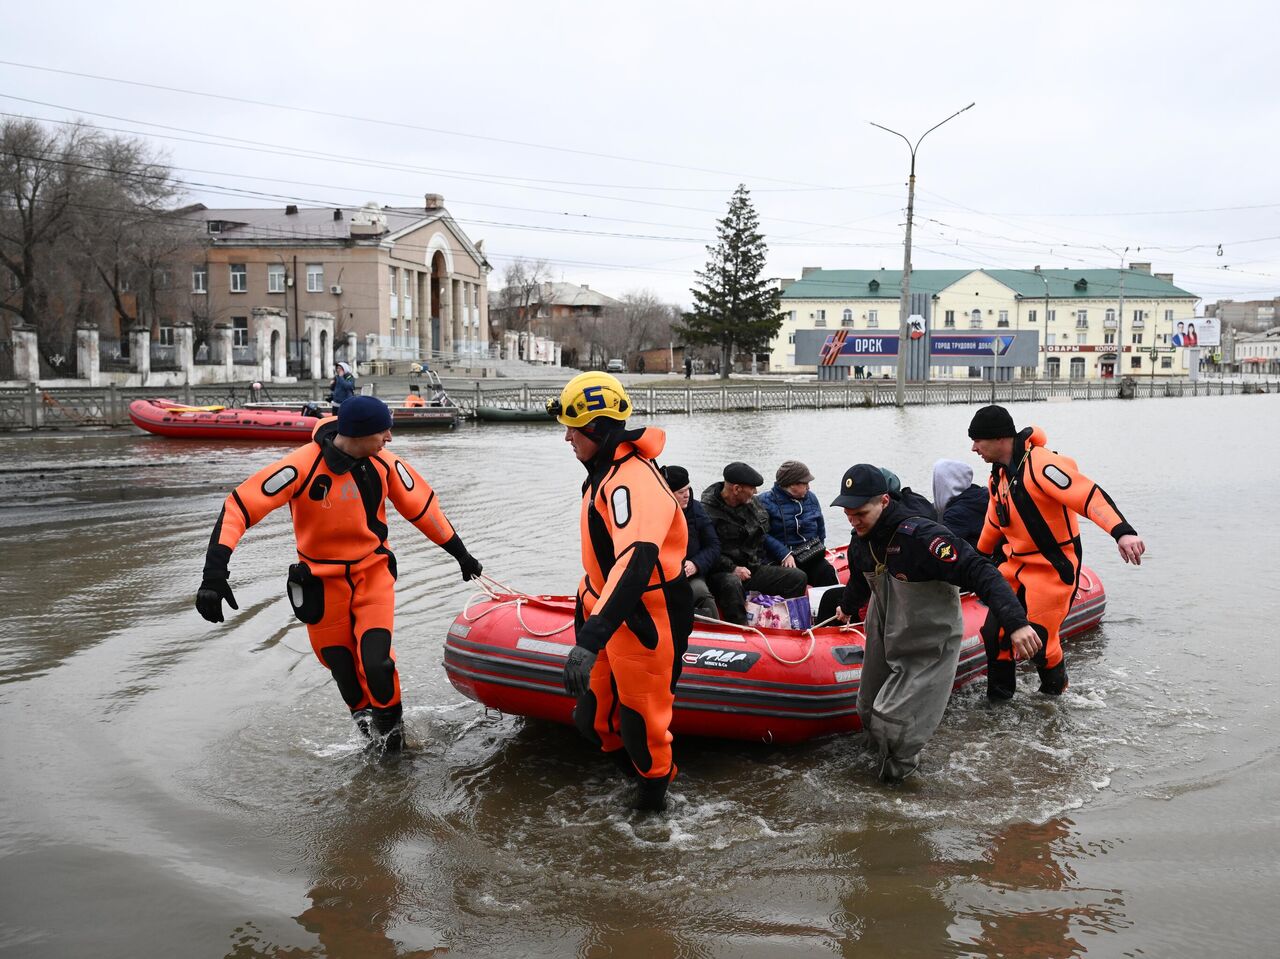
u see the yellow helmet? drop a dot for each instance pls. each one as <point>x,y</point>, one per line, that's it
<point>587,396</point>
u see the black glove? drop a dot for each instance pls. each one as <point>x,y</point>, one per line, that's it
<point>577,670</point>
<point>209,598</point>
<point>470,566</point>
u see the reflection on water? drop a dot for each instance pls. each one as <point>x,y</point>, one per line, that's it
<point>214,776</point>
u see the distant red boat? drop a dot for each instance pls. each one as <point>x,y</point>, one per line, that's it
<point>166,418</point>
<point>775,685</point>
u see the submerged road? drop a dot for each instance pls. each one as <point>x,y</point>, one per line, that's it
<point>172,788</point>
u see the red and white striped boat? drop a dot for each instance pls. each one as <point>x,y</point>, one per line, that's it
<point>777,685</point>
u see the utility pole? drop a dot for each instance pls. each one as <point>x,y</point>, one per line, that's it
<point>905,302</point>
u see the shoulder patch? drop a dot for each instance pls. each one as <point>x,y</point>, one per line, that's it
<point>909,526</point>
<point>279,480</point>
<point>620,502</point>
<point>943,549</point>
<point>1056,476</point>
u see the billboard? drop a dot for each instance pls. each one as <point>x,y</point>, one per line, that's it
<point>1199,331</point>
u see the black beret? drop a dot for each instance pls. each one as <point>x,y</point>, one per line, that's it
<point>742,474</point>
<point>677,477</point>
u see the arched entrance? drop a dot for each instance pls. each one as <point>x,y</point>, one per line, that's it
<point>439,281</point>
<point>1107,366</point>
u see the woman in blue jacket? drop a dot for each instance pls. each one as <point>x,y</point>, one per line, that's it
<point>797,532</point>
<point>704,544</point>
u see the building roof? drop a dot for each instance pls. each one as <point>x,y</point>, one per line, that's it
<point>561,294</point>
<point>857,284</point>
<point>1030,284</point>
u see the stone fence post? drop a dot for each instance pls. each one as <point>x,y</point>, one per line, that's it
<point>88,359</point>
<point>26,353</point>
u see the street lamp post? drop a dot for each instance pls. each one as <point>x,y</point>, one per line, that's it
<point>906,256</point>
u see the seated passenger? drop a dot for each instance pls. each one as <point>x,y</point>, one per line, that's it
<point>797,531</point>
<point>704,544</point>
<point>741,523</point>
<point>414,398</point>
<point>961,504</point>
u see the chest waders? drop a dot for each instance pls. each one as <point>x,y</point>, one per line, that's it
<point>914,632</point>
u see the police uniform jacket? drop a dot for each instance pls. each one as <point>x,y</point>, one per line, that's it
<point>916,550</point>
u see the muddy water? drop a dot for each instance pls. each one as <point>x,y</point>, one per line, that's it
<point>170,788</point>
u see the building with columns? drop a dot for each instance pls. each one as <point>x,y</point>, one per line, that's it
<point>1089,324</point>
<point>406,281</point>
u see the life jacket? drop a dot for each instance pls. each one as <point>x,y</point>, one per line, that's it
<point>1034,504</point>
<point>338,504</point>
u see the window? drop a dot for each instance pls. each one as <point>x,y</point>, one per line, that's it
<point>873,319</point>
<point>792,316</point>
<point>1109,339</point>
<point>239,331</point>
<point>1082,319</point>
<point>791,359</point>
<point>975,320</point>
<point>1003,319</point>
<point>1077,367</point>
<point>1031,316</point>
<point>1082,337</point>
<point>393,329</point>
<point>315,277</point>
<point>1110,317</point>
<point>1052,315</point>
<point>1053,367</point>
<point>949,319</point>
<point>1166,362</point>
<point>791,338</point>
<point>200,279</point>
<point>1168,316</point>
<point>166,336</point>
<point>1139,319</point>
<point>846,318</point>
<point>1137,339</point>
<point>215,226</point>
<point>1049,339</point>
<point>820,318</point>
<point>1135,362</point>
<point>395,300</point>
<point>275,278</point>
<point>975,372</point>
<point>406,289</point>
<point>239,278</point>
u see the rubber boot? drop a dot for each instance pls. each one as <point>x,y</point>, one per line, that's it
<point>363,719</point>
<point>624,764</point>
<point>389,728</point>
<point>894,771</point>
<point>651,795</point>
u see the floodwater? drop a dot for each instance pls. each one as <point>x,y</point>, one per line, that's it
<point>171,788</point>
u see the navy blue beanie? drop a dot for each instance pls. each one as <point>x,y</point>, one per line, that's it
<point>363,416</point>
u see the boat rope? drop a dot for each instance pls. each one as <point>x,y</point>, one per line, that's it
<point>493,590</point>
<point>813,640</point>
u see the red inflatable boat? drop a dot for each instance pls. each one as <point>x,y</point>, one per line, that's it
<point>166,418</point>
<point>775,685</point>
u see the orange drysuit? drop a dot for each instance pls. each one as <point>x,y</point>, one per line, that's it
<point>1031,520</point>
<point>344,585</point>
<point>635,607</point>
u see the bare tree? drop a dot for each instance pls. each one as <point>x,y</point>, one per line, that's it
<point>37,188</point>
<point>521,295</point>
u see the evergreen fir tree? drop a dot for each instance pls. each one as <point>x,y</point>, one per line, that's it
<point>733,307</point>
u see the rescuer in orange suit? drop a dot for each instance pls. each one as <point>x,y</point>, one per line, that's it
<point>343,585</point>
<point>1032,532</point>
<point>635,607</point>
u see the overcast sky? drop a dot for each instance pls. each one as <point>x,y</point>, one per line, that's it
<point>607,139</point>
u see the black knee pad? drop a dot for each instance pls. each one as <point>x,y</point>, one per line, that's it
<point>379,667</point>
<point>635,737</point>
<point>343,667</point>
<point>584,717</point>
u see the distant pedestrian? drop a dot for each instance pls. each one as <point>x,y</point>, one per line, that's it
<point>688,368</point>
<point>343,384</point>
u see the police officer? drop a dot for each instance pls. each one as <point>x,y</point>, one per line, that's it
<point>907,569</point>
<point>635,608</point>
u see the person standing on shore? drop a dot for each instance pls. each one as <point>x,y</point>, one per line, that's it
<point>634,608</point>
<point>343,585</point>
<point>1032,532</point>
